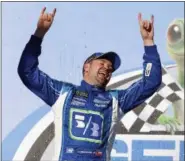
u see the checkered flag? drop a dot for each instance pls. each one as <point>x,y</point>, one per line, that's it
<point>139,120</point>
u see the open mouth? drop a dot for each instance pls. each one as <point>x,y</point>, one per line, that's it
<point>104,75</point>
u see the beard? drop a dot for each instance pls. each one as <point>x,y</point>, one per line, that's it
<point>103,78</point>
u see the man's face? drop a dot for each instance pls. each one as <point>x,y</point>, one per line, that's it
<point>98,72</point>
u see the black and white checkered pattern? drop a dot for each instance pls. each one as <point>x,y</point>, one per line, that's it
<point>137,120</point>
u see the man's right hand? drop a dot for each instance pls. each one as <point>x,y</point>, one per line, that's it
<point>44,23</point>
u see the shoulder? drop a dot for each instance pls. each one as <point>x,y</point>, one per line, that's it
<point>66,86</point>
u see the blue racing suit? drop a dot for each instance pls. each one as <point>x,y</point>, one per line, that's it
<point>86,115</point>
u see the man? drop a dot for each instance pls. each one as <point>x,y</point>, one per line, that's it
<point>86,116</point>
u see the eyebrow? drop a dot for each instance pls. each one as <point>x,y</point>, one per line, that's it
<point>110,65</point>
<point>107,62</point>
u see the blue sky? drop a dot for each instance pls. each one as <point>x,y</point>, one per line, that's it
<point>79,29</point>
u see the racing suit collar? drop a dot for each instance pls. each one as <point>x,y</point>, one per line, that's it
<point>90,87</point>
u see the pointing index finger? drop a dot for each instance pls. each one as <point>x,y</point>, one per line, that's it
<point>140,18</point>
<point>43,10</point>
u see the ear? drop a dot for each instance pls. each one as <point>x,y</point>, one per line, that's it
<point>86,67</point>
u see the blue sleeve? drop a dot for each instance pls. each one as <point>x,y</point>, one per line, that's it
<point>34,79</point>
<point>151,79</point>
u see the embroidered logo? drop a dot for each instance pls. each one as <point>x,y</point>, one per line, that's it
<point>86,125</point>
<point>148,69</point>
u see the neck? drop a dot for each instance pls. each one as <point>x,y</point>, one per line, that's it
<point>90,87</point>
<point>90,82</point>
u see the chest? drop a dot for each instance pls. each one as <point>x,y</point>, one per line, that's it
<point>88,115</point>
<point>90,100</point>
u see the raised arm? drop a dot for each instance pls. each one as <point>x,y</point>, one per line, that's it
<point>38,82</point>
<point>151,79</point>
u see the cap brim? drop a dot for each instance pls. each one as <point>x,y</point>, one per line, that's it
<point>112,57</point>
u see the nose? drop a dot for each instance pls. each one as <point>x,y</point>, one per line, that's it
<point>106,66</point>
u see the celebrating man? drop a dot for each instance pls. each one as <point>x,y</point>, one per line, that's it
<point>86,116</point>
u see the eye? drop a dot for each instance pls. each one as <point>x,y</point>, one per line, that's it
<point>175,37</point>
<point>101,63</point>
<point>174,34</point>
<point>110,69</point>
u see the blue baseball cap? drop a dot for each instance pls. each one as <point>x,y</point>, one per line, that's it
<point>111,56</point>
